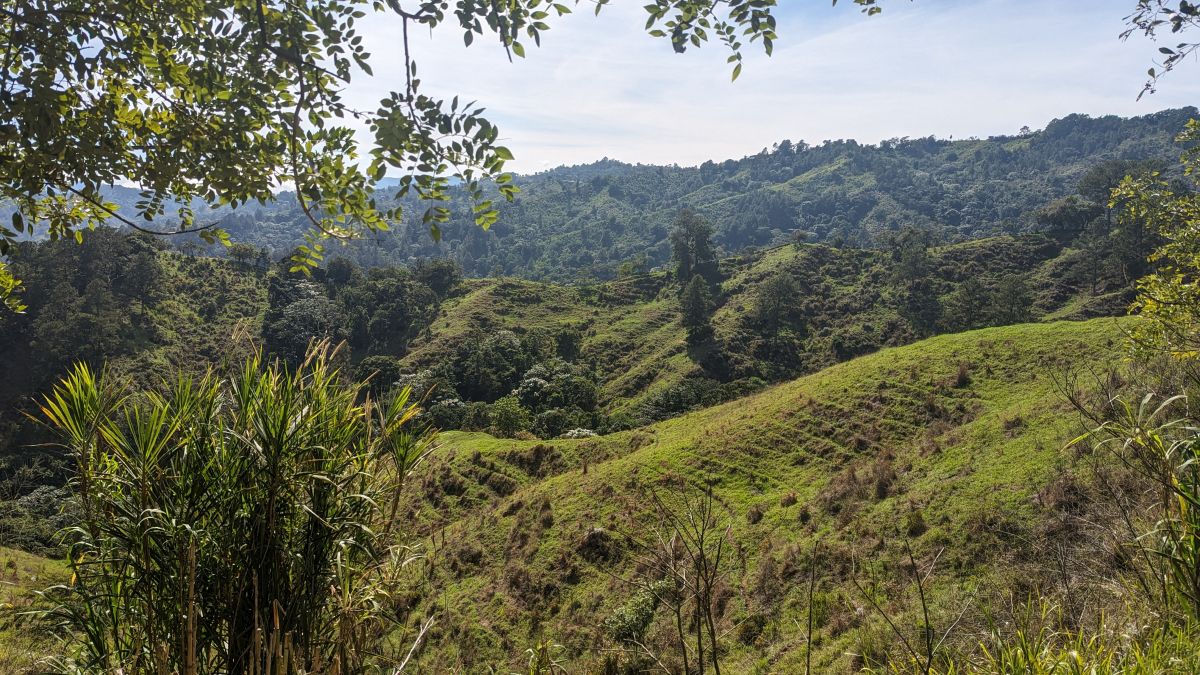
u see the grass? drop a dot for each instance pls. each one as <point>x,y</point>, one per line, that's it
<point>964,429</point>
<point>633,339</point>
<point>948,443</point>
<point>22,646</point>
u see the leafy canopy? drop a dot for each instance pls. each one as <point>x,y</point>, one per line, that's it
<point>1153,17</point>
<point>207,103</point>
<point>1169,298</point>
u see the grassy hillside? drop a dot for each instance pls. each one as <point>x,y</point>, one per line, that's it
<point>633,339</point>
<point>21,644</point>
<point>955,442</point>
<point>625,340</point>
<point>953,446</point>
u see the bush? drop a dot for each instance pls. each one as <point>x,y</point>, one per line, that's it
<point>380,372</point>
<point>558,421</point>
<point>447,414</point>
<point>508,416</point>
<point>579,433</point>
<point>229,522</point>
<point>686,395</point>
<point>629,623</point>
<point>476,416</point>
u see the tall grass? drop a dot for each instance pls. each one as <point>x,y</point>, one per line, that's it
<point>1040,646</point>
<point>238,525</point>
<point>1159,441</point>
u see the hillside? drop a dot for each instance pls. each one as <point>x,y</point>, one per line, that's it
<point>601,357</point>
<point>118,302</point>
<point>953,445</point>
<point>586,222</point>
<point>300,375</point>
<point>22,645</point>
<point>954,442</point>
<point>630,334</point>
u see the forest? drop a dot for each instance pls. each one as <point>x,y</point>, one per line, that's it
<point>294,384</point>
<point>597,222</point>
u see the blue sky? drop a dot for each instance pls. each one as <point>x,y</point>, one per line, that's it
<point>600,87</point>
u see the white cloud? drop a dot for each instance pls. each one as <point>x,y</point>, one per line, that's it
<point>599,87</point>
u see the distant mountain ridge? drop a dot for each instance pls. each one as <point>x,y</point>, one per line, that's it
<point>582,222</point>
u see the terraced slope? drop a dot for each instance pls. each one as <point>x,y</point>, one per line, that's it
<point>951,442</point>
<point>632,337</point>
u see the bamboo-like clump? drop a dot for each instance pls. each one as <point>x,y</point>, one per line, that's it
<point>238,525</point>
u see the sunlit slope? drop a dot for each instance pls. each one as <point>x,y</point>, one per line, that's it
<point>950,440</point>
<point>630,331</point>
<point>21,576</point>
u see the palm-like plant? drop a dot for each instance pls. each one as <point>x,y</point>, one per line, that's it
<point>238,525</point>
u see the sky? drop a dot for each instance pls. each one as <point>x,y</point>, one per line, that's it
<point>600,87</point>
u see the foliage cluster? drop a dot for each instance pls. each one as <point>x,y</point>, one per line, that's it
<point>234,525</point>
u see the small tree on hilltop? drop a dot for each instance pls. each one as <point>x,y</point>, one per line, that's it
<point>508,416</point>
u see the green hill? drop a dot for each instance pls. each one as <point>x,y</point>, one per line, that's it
<point>579,222</point>
<point>622,345</point>
<point>631,336</point>
<point>955,442</point>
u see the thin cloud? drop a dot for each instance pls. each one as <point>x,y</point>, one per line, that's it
<point>599,87</point>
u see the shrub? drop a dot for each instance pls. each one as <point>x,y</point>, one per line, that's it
<point>229,522</point>
<point>447,414</point>
<point>914,523</point>
<point>962,377</point>
<point>630,621</point>
<point>752,627</point>
<point>754,515</point>
<point>579,433</point>
<point>476,416</point>
<point>508,416</point>
<point>599,545</point>
<point>380,372</point>
<point>557,421</point>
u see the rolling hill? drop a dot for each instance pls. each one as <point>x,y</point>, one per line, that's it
<point>586,222</point>
<point>954,443</point>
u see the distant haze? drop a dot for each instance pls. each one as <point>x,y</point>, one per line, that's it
<point>599,87</point>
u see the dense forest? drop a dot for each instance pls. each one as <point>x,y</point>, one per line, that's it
<point>601,220</point>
